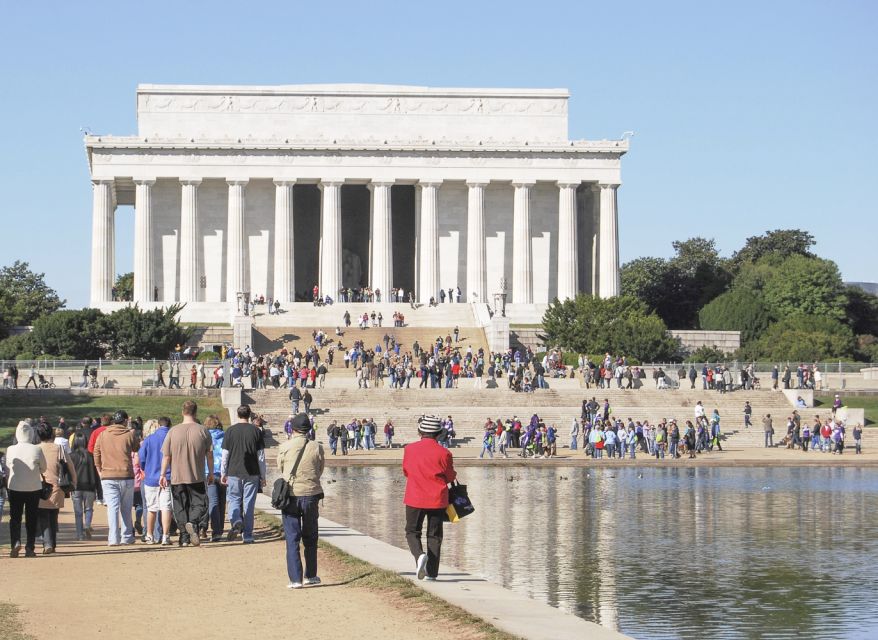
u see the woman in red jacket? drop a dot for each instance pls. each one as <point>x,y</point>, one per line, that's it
<point>428,468</point>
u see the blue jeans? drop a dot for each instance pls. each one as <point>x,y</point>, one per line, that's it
<point>83,509</point>
<point>300,524</point>
<point>242,494</point>
<point>573,442</point>
<point>119,498</point>
<point>611,449</point>
<point>216,508</point>
<point>632,447</point>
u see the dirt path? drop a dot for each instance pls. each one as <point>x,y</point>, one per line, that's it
<point>224,590</point>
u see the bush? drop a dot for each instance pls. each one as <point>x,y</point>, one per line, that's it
<point>802,338</point>
<point>707,354</point>
<point>15,347</point>
<point>621,326</point>
<point>741,310</point>
<point>76,333</point>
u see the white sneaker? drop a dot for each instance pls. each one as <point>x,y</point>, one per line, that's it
<point>312,581</point>
<point>148,540</point>
<point>422,566</point>
<point>430,579</point>
<point>294,585</point>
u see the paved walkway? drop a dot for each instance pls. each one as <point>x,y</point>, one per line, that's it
<point>505,609</point>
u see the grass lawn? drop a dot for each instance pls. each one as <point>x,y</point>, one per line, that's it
<point>18,406</point>
<point>869,403</point>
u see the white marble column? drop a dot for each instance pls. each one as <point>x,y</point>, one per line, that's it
<point>522,283</point>
<point>428,248</point>
<point>330,239</point>
<point>144,276</point>
<point>189,280</point>
<point>609,241</point>
<point>103,250</point>
<point>284,265</point>
<point>476,277</point>
<point>236,242</point>
<point>567,236</point>
<point>381,250</point>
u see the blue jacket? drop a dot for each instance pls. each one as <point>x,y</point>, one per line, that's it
<point>217,435</point>
<point>151,457</point>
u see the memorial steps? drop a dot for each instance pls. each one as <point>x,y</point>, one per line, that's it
<point>329,317</point>
<point>267,339</point>
<point>471,407</point>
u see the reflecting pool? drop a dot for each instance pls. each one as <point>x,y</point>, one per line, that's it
<point>783,552</point>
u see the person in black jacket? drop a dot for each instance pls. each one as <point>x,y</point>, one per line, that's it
<point>86,482</point>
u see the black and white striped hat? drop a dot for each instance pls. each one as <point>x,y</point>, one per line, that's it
<point>430,424</point>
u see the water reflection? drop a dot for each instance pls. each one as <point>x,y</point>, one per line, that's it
<point>676,553</point>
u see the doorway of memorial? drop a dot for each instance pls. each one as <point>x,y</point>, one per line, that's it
<point>306,239</point>
<point>402,217</point>
<point>355,234</point>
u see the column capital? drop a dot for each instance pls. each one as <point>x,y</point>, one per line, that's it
<point>520,184</point>
<point>237,182</point>
<point>567,184</point>
<point>477,183</point>
<point>330,183</point>
<point>103,181</point>
<point>430,183</point>
<point>144,181</point>
<point>381,183</point>
<point>284,183</point>
<point>608,185</point>
<point>190,182</point>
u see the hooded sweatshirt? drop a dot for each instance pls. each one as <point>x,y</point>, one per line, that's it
<point>113,452</point>
<point>25,460</point>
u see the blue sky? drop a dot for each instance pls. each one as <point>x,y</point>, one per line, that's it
<point>748,116</point>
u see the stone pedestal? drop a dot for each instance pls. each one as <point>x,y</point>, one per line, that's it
<point>497,333</point>
<point>242,331</point>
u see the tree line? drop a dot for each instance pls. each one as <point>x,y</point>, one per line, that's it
<point>788,303</point>
<point>82,334</point>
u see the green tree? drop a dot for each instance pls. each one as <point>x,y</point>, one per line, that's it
<point>806,286</point>
<point>677,288</point>
<point>780,244</point>
<point>803,338</point>
<point>861,311</point>
<point>24,296</point>
<point>124,286</point>
<point>707,354</point>
<point>621,325</point>
<point>133,333</point>
<point>19,347</point>
<point>77,334</point>
<point>739,309</point>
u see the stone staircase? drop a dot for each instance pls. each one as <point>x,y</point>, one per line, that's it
<point>302,314</point>
<point>471,407</point>
<point>273,339</point>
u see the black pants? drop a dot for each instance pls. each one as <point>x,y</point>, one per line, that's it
<point>414,524</point>
<point>190,505</point>
<point>49,526</point>
<point>27,503</point>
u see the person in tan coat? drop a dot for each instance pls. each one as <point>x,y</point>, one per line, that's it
<point>301,516</point>
<point>47,512</point>
<point>113,461</point>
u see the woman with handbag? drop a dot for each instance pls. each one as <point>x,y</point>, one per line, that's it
<point>26,463</point>
<point>61,474</point>
<point>86,483</point>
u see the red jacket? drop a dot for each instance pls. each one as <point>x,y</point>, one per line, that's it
<point>429,468</point>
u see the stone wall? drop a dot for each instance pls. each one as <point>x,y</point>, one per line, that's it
<point>691,340</point>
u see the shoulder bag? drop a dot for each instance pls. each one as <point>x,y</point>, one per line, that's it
<point>281,492</point>
<point>65,480</point>
<point>459,504</point>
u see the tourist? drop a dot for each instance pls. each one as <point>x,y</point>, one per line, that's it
<point>114,463</point>
<point>388,434</point>
<point>187,452</point>
<point>216,491</point>
<point>428,469</point>
<point>157,499</point>
<point>300,460</point>
<point>56,462</point>
<point>768,427</point>
<point>857,433</point>
<point>26,462</point>
<point>86,483</point>
<point>243,471</point>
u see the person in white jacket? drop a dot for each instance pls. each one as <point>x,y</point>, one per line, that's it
<point>26,463</point>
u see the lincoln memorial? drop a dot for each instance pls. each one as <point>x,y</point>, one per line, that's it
<point>275,189</point>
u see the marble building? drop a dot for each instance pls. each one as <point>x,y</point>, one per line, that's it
<point>274,189</point>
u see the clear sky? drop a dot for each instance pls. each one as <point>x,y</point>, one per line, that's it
<point>748,116</point>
